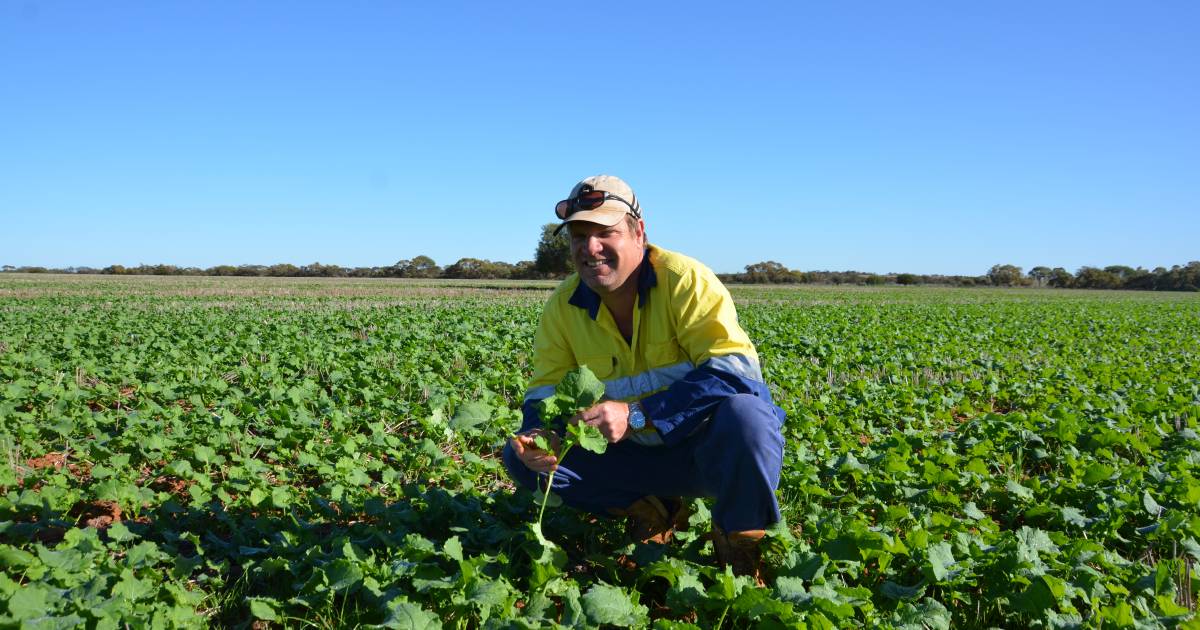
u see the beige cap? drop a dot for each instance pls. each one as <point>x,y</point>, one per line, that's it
<point>619,201</point>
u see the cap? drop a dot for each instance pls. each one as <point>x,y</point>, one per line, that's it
<point>608,213</point>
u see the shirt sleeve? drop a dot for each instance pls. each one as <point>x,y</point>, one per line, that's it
<point>726,362</point>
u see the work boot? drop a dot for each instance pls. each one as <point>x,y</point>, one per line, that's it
<point>740,550</point>
<point>654,520</point>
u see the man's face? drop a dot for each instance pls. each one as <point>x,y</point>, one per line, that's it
<point>606,256</point>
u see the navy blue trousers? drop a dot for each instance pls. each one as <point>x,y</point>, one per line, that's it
<point>734,458</point>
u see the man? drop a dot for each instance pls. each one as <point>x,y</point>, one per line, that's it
<point>686,410</point>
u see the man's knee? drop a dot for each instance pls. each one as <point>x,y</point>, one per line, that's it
<point>747,419</point>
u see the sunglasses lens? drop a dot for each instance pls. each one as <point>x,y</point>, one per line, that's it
<point>562,208</point>
<point>591,200</point>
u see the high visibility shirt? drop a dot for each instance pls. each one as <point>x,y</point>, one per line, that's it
<point>687,354</point>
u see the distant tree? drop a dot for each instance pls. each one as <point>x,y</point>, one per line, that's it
<point>766,272</point>
<point>1181,278</point>
<point>553,255</point>
<point>1004,275</point>
<point>1061,278</point>
<point>470,268</point>
<point>1122,272</point>
<point>317,270</point>
<point>419,267</point>
<point>8,268</point>
<point>1093,278</point>
<point>1040,275</point>
<point>283,270</point>
<point>478,269</point>
<point>907,278</point>
<point>525,270</point>
<point>423,267</point>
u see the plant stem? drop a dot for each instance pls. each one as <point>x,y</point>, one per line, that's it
<point>549,484</point>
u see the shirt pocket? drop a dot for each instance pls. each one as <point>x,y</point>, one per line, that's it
<point>602,365</point>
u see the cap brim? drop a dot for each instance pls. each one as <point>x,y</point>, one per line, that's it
<point>601,216</point>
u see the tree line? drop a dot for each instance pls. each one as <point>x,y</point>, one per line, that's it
<point>1177,278</point>
<point>552,259</point>
<point>419,267</point>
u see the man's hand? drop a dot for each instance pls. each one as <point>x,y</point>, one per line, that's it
<point>610,416</point>
<point>534,458</point>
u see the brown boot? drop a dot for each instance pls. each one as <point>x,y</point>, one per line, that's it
<point>654,520</point>
<point>741,551</point>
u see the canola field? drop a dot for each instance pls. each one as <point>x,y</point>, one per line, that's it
<point>182,452</point>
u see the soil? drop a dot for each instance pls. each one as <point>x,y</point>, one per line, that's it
<point>98,514</point>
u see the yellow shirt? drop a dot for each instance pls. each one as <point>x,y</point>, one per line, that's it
<point>685,332</point>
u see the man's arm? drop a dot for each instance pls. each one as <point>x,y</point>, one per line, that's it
<point>727,364</point>
<point>682,408</point>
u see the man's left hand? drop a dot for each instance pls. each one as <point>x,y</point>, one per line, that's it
<point>610,416</point>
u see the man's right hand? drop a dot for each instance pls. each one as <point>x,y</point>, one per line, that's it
<point>534,458</point>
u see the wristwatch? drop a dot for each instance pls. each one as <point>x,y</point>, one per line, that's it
<point>637,417</point>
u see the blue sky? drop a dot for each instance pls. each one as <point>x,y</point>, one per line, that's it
<point>926,137</point>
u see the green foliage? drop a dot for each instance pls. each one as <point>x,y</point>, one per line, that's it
<point>553,253</point>
<point>305,453</point>
<point>579,389</point>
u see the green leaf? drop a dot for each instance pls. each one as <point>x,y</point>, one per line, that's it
<point>1073,516</point>
<point>1095,473</point>
<point>1152,506</point>
<point>791,589</point>
<point>281,496</point>
<point>581,386</point>
<point>204,453</point>
<point>1119,615</point>
<point>1019,491</point>
<point>578,390</point>
<point>343,574</point>
<point>757,603</point>
<point>13,557</point>
<point>1036,540</point>
<point>470,415</point>
<point>589,437</point>
<point>405,615</point>
<point>487,594</point>
<point>28,602</point>
<point>453,549</point>
<point>120,533</point>
<point>892,590</point>
<point>130,587</point>
<point>941,558</point>
<point>929,614</point>
<point>263,608</point>
<point>606,604</point>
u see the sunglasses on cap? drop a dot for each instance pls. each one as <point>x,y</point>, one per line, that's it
<point>589,199</point>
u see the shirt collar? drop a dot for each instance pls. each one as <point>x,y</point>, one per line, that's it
<point>584,297</point>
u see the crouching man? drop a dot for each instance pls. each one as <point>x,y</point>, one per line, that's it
<point>686,412</point>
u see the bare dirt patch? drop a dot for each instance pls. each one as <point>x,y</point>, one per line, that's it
<point>49,460</point>
<point>98,514</point>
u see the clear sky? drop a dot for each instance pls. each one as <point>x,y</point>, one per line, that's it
<point>930,137</point>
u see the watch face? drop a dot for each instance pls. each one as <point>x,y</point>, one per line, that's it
<point>637,419</point>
